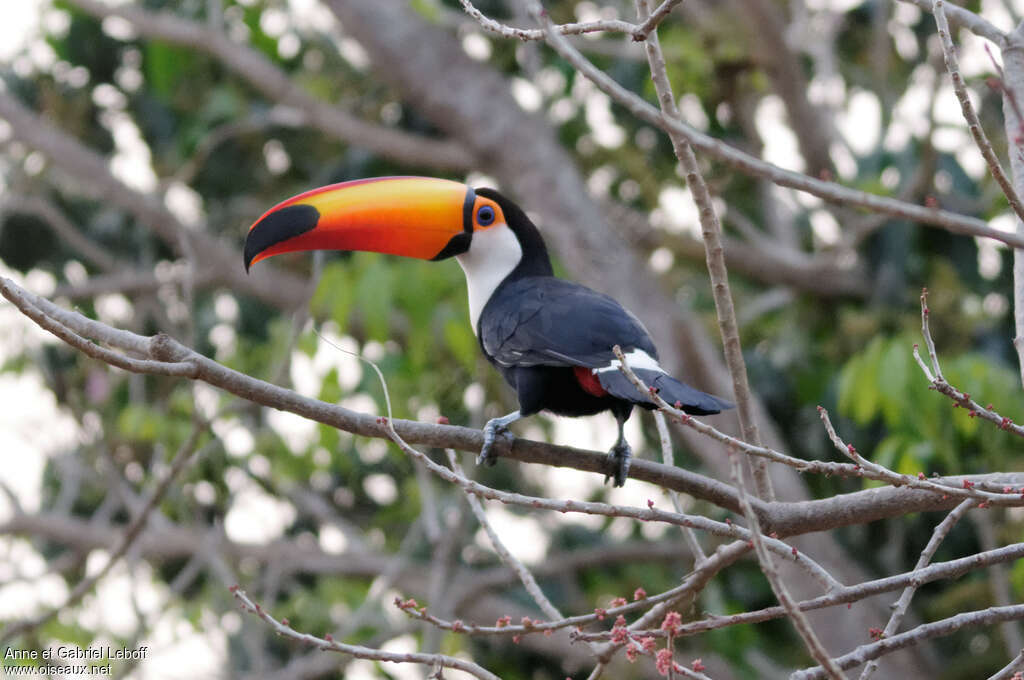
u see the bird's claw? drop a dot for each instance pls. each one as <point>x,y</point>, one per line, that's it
<point>619,459</point>
<point>492,431</point>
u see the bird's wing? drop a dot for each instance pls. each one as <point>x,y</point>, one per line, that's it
<point>544,321</point>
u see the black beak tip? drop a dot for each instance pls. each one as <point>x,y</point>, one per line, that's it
<point>279,225</point>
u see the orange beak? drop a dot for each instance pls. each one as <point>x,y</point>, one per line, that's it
<point>421,217</point>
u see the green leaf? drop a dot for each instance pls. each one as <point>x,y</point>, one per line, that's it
<point>893,376</point>
<point>461,341</point>
<point>165,66</point>
<point>859,389</point>
<point>375,292</point>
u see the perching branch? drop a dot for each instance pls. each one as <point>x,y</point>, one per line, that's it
<point>785,519</point>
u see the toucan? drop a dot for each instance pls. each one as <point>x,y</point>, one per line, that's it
<point>551,339</point>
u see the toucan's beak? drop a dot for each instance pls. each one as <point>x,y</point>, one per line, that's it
<point>421,217</point>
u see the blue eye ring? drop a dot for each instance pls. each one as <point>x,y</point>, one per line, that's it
<point>485,215</point>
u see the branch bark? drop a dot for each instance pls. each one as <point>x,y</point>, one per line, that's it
<point>92,173</point>
<point>250,65</point>
<point>1013,95</point>
<point>159,352</point>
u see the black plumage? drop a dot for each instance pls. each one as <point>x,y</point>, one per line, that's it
<point>551,338</point>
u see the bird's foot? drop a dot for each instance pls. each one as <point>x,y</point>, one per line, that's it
<point>495,429</point>
<point>618,459</point>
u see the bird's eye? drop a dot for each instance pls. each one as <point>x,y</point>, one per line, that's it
<point>485,215</point>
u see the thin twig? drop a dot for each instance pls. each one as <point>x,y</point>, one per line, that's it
<point>974,23</point>
<point>926,631</point>
<point>900,609</point>
<point>510,560</point>
<point>848,594</point>
<point>327,643</point>
<point>667,457</point>
<point>685,593</point>
<point>799,621</point>
<point>654,19</point>
<point>970,115</point>
<point>1011,670</point>
<point>186,453</point>
<point>525,34</point>
<point>939,384</point>
<point>748,164</point>
<point>711,230</point>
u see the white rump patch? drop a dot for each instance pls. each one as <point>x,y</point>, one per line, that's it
<point>491,257</point>
<point>635,359</point>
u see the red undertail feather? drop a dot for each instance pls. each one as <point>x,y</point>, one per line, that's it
<point>588,381</point>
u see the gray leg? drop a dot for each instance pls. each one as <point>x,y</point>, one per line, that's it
<point>620,454</point>
<point>494,428</point>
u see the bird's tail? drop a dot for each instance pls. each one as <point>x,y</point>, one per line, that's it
<point>681,395</point>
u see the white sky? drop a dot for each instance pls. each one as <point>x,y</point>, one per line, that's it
<point>20,21</point>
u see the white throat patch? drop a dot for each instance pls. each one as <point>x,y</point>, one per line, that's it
<point>492,256</point>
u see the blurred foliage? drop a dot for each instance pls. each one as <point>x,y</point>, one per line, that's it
<point>883,383</point>
<point>849,355</point>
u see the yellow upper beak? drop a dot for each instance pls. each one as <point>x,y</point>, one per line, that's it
<point>420,217</point>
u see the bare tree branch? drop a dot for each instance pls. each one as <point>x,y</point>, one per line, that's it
<point>247,63</point>
<point>711,230</point>
<point>609,26</point>
<point>187,453</point>
<point>939,384</point>
<point>272,285</point>
<point>847,594</point>
<point>1010,670</point>
<point>900,609</point>
<point>970,115</point>
<point>864,653</point>
<point>49,213</point>
<point>785,519</point>
<point>964,17</point>
<point>748,164</point>
<point>327,643</point>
